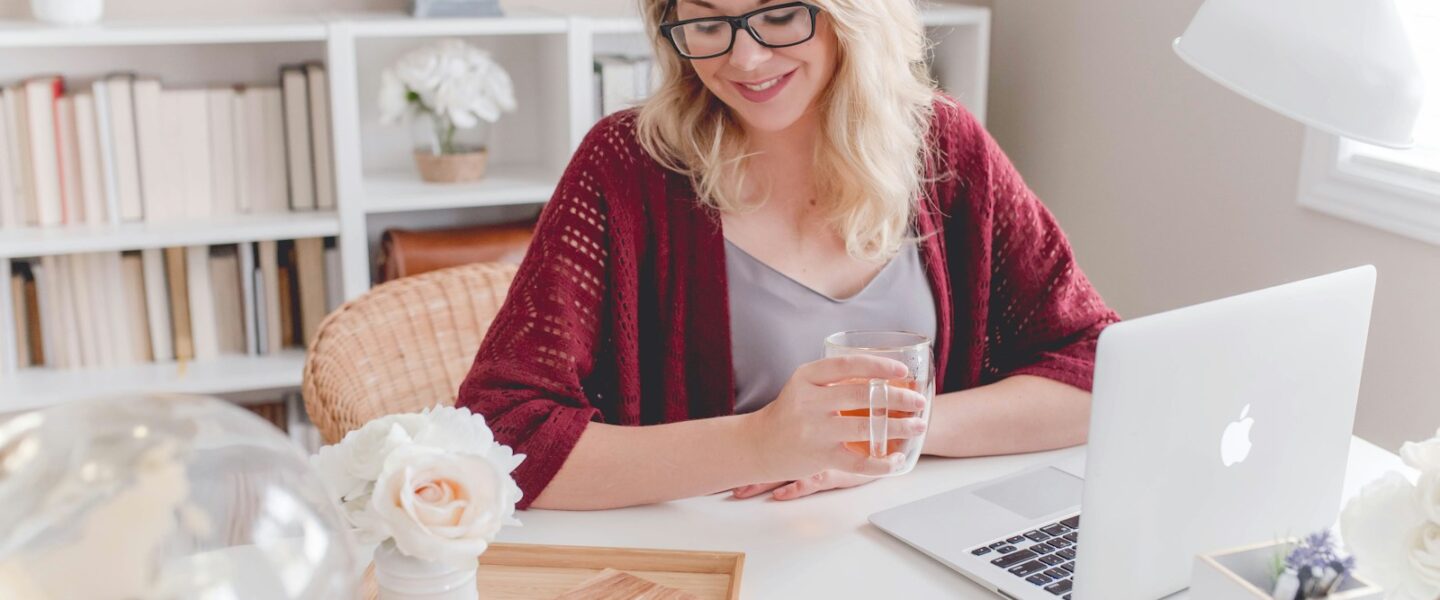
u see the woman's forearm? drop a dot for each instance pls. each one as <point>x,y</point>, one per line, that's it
<point>614,466</point>
<point>1017,414</point>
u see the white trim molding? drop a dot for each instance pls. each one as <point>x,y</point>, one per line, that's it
<point>1336,180</point>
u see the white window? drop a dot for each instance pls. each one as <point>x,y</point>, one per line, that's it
<point>1395,190</point>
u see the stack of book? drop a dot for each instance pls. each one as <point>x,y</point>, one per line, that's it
<point>192,303</point>
<point>125,149</point>
<point>622,81</point>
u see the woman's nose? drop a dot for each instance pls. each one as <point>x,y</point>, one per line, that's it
<point>747,54</point>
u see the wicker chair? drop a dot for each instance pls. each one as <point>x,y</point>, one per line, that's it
<point>402,346</point>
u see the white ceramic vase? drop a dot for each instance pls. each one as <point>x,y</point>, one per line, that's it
<point>67,12</point>
<point>401,577</point>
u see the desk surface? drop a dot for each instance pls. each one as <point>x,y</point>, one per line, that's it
<point>823,546</point>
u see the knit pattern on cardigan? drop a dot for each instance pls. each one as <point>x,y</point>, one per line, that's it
<point>619,312</point>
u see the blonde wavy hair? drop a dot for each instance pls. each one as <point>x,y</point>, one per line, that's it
<point>875,115</point>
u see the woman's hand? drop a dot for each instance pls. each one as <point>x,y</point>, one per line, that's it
<point>819,482</point>
<point>802,432</point>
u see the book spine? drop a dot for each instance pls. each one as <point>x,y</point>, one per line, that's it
<point>157,304</point>
<point>295,93</point>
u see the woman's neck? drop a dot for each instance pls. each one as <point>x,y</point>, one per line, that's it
<point>785,159</point>
<point>795,143</point>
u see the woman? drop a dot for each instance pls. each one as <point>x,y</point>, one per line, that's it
<point>795,166</point>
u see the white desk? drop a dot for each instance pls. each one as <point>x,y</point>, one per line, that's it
<point>822,546</point>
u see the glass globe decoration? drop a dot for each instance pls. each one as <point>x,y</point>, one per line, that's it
<point>164,497</point>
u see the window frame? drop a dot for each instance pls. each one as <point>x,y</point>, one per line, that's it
<point>1347,179</point>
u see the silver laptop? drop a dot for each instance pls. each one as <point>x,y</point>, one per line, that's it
<point>1212,426</point>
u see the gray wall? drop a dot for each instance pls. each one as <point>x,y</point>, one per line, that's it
<point>1175,190</point>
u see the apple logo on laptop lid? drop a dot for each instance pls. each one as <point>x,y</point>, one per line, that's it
<point>1235,443</point>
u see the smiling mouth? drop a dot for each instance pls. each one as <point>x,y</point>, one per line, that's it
<point>763,85</point>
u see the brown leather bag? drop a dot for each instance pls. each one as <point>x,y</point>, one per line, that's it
<point>405,252</point>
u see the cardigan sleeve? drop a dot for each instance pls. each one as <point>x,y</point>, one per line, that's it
<point>528,377</point>
<point>1044,316</point>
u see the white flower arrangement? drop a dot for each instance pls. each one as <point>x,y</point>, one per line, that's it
<point>454,82</point>
<point>1393,526</point>
<point>436,482</point>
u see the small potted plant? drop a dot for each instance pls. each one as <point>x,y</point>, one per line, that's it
<point>1287,570</point>
<point>450,92</point>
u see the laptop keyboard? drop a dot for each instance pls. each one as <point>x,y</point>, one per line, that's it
<point>1044,556</point>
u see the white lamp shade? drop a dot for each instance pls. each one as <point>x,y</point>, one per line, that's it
<point>1342,66</point>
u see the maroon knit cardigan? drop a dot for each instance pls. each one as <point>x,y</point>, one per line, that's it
<point>619,313</point>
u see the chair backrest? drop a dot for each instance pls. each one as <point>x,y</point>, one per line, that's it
<point>403,346</point>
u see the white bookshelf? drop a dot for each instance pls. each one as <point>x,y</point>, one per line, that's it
<point>399,191</point>
<point>75,239</point>
<point>549,57</point>
<point>36,388</point>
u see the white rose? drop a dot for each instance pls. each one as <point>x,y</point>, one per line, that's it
<point>1423,456</point>
<point>366,448</point>
<point>442,506</point>
<point>455,430</point>
<point>1425,557</point>
<point>1427,494</point>
<point>1382,526</point>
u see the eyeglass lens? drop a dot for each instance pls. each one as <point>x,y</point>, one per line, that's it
<point>780,26</point>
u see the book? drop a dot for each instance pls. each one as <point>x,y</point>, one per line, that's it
<point>137,318</point>
<point>10,216</point>
<point>204,331</point>
<point>83,337</point>
<point>124,146</point>
<point>41,95</point>
<point>67,342</point>
<point>154,121</point>
<point>248,297</point>
<point>32,321</point>
<point>114,306</point>
<point>110,333</point>
<point>265,113</point>
<point>192,149</point>
<point>319,88</point>
<point>310,277</point>
<point>617,82</point>
<point>223,184</point>
<point>262,320</point>
<point>19,125</point>
<point>92,182</point>
<point>178,285</point>
<point>241,126</point>
<point>334,284</point>
<point>226,289</point>
<point>67,143</point>
<point>45,295</point>
<point>20,315</point>
<point>104,136</point>
<point>288,303</point>
<point>157,304</point>
<point>269,284</point>
<point>298,155</point>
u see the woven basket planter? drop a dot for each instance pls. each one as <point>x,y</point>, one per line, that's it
<point>451,168</point>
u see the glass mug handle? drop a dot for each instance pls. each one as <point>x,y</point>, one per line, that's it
<point>879,417</point>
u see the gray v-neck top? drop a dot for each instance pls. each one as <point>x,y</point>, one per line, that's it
<point>778,323</point>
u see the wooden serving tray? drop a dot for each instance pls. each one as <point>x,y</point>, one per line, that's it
<point>543,572</point>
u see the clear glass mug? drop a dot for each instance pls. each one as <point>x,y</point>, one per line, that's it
<point>912,349</point>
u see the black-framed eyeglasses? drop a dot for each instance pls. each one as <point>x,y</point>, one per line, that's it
<point>778,26</point>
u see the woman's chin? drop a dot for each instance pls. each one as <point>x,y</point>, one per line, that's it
<point>769,120</point>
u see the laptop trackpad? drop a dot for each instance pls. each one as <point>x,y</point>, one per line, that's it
<point>1035,494</point>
